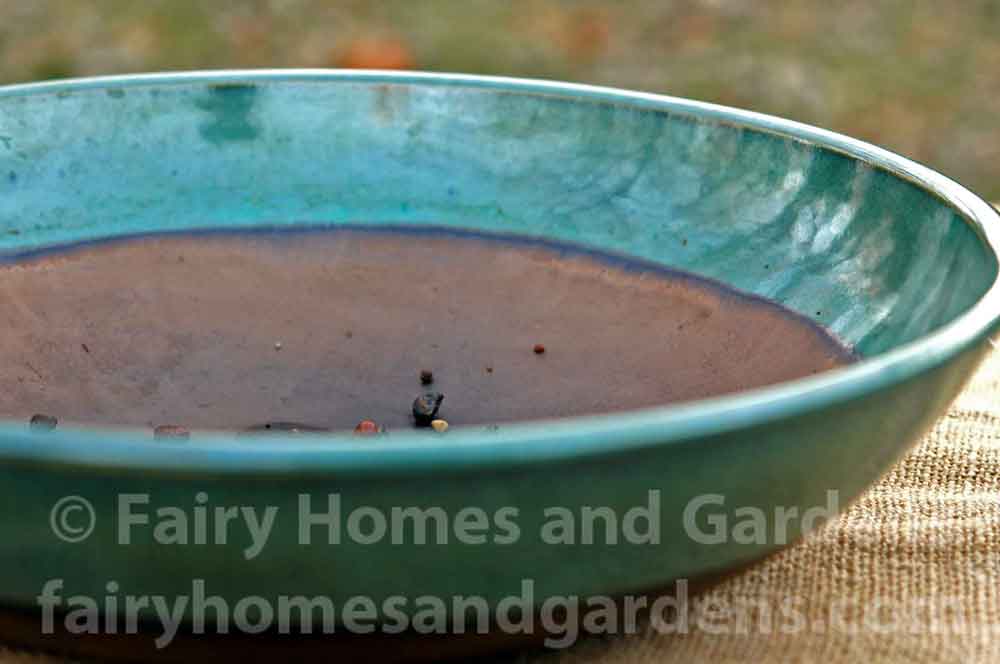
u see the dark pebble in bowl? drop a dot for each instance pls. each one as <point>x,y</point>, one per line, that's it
<point>425,408</point>
<point>40,422</point>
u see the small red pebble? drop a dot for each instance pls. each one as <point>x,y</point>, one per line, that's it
<point>366,428</point>
<point>539,349</point>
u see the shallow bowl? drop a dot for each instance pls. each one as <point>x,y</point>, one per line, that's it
<point>896,260</point>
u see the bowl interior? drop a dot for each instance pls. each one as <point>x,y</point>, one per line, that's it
<point>876,259</point>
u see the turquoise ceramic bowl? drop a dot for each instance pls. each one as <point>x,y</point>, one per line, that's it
<point>897,260</point>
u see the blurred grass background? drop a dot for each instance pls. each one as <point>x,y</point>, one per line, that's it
<point>922,78</point>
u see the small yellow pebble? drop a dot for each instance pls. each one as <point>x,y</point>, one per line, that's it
<point>439,425</point>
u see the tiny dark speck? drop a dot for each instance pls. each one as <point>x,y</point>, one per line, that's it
<point>115,93</point>
<point>684,242</point>
<point>451,191</point>
<point>819,313</point>
<point>12,176</point>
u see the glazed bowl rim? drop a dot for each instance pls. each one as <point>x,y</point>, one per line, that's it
<point>538,440</point>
